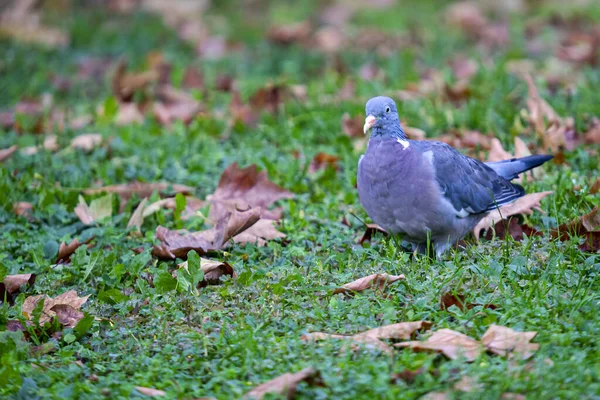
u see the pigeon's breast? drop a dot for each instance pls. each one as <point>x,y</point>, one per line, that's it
<point>397,188</point>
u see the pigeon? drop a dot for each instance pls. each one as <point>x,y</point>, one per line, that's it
<point>427,191</point>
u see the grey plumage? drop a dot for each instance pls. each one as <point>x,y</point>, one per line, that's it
<point>427,190</point>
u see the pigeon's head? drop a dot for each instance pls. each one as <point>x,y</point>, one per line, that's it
<point>382,117</point>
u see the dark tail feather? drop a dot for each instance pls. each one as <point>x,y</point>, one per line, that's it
<point>510,169</point>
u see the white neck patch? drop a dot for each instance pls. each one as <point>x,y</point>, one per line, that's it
<point>404,143</point>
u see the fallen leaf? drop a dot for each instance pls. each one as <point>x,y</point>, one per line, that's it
<point>369,231</point>
<point>175,105</point>
<point>259,233</point>
<point>448,342</point>
<point>285,385</point>
<point>67,315</point>
<point>176,244</point>
<point>287,34</point>
<point>213,271</point>
<point>128,113</point>
<point>373,337</point>
<point>508,342</point>
<point>269,98</point>
<point>87,142</point>
<point>192,79</point>
<point>322,160</point>
<point>21,21</point>
<point>580,48</point>
<point>98,209</point>
<point>50,144</point>
<point>379,281</point>
<point>401,330</point>
<point>556,133</point>
<point>125,84</point>
<point>70,299</point>
<point>6,153</point>
<point>23,208</point>
<point>595,188</point>
<point>510,227</point>
<point>244,187</point>
<point>408,376</point>
<point>512,396</point>
<point>467,16</point>
<point>66,250</point>
<point>150,392</point>
<point>586,226</point>
<point>370,71</point>
<point>468,384</point>
<point>592,136</point>
<point>523,205</point>
<point>141,189</point>
<point>353,126</point>
<point>13,283</point>
<point>137,218</point>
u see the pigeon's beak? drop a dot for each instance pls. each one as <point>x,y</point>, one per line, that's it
<point>369,122</point>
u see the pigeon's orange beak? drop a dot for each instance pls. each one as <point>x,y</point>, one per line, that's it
<point>369,122</point>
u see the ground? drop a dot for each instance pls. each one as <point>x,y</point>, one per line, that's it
<point>225,339</point>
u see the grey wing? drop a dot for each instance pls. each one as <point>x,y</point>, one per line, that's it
<point>469,184</point>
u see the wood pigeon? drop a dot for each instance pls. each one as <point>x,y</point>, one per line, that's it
<point>427,190</point>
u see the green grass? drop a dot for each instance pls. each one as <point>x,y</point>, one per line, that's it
<point>244,332</point>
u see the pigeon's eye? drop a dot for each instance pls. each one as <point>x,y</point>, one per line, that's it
<point>387,109</point>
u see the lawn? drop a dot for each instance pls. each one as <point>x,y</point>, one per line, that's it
<point>177,95</point>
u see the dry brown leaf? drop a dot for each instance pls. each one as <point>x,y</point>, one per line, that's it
<point>137,218</point>
<point>192,79</point>
<point>370,230</point>
<point>367,341</point>
<point>586,226</point>
<point>23,208</point>
<point>128,113</point>
<point>259,233</point>
<point>141,189</point>
<point>125,84</point>
<point>285,385</point>
<point>12,283</point>
<point>512,396</point>
<point>178,243</point>
<point>21,21</point>
<point>580,48</point>
<point>87,141</point>
<point>150,392</point>
<point>595,188</point>
<point>70,299</point>
<point>98,209</point>
<point>66,250</point>
<point>556,133</point>
<point>401,330</point>
<point>467,16</point>
<point>175,105</point>
<point>497,153</point>
<point>6,153</point>
<point>242,188</point>
<point>213,271</point>
<point>379,281</point>
<point>353,126</point>
<point>592,136</point>
<point>448,342</point>
<point>510,227</point>
<point>373,337</point>
<point>290,33</point>
<point>523,205</point>
<point>50,144</point>
<point>508,342</point>
<point>322,160</point>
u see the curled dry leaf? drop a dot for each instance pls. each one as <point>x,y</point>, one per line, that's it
<point>285,385</point>
<point>66,250</point>
<point>6,153</point>
<point>556,133</point>
<point>12,283</point>
<point>98,209</point>
<point>510,227</point>
<point>448,342</point>
<point>21,21</point>
<point>68,303</point>
<point>322,160</point>
<point>244,187</point>
<point>259,233</point>
<point>370,230</point>
<point>290,33</point>
<point>523,205</point>
<point>178,243</point>
<point>150,392</point>
<point>353,126</point>
<point>142,189</point>
<point>378,281</point>
<point>125,84</point>
<point>586,226</point>
<point>592,136</point>
<point>373,337</point>
<point>137,218</point>
<point>595,188</point>
<point>507,342</point>
<point>213,271</point>
<point>23,208</point>
<point>192,79</point>
<point>87,141</point>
